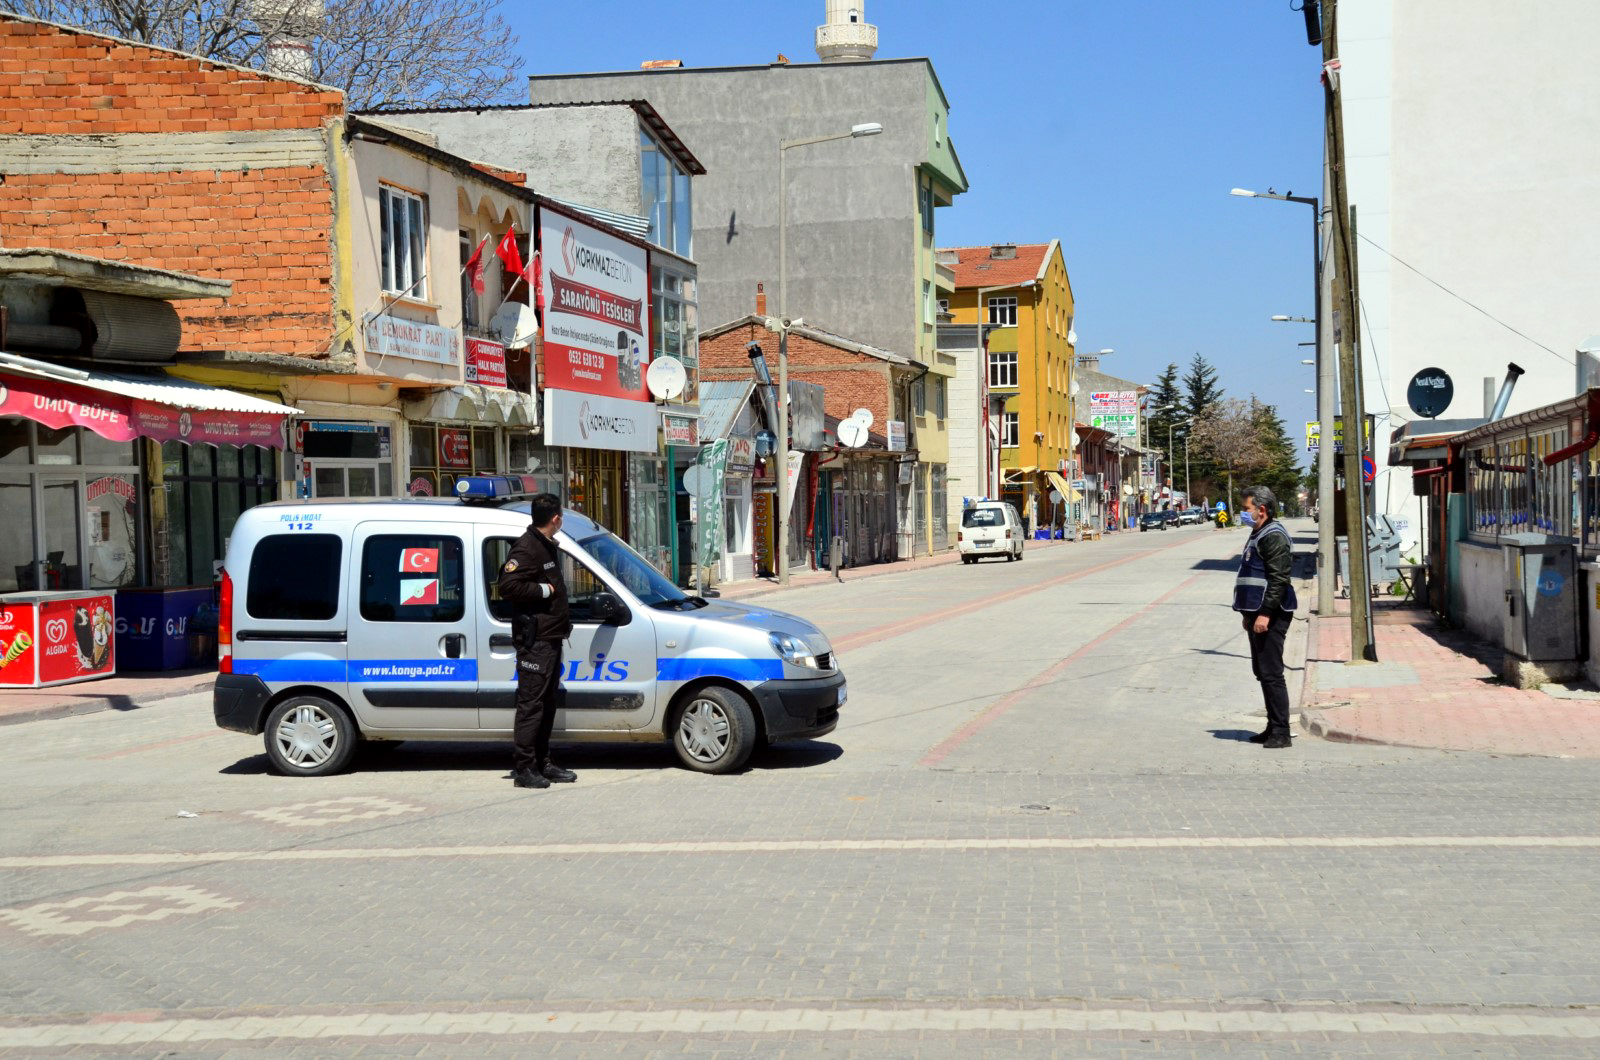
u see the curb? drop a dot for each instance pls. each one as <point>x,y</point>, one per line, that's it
<point>1317,724</point>
<point>98,704</point>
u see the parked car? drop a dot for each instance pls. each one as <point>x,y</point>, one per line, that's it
<point>1153,521</point>
<point>990,528</point>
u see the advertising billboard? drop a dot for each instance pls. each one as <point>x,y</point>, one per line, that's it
<point>596,293</point>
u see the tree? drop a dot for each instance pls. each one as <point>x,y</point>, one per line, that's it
<point>1200,397</point>
<point>1229,436</point>
<point>1281,474</point>
<point>381,53</point>
<point>1165,394</point>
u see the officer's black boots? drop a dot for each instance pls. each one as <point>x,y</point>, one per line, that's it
<point>555,774</point>
<point>529,778</point>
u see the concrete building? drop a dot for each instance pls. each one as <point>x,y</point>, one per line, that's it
<point>1131,479</point>
<point>1485,184</point>
<point>973,469</point>
<point>1024,290</point>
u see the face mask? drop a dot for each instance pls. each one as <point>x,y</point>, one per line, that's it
<point>1249,518</point>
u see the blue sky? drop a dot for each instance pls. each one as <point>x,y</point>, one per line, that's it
<point>1117,126</point>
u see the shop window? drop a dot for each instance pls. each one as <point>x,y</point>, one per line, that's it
<point>442,454</point>
<point>312,595</point>
<point>412,578</point>
<point>545,464</point>
<point>403,236</point>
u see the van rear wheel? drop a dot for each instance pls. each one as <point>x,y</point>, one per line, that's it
<point>307,736</point>
<point>715,732</point>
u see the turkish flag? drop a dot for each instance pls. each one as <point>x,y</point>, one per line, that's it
<point>537,269</point>
<point>510,256</point>
<point>419,561</point>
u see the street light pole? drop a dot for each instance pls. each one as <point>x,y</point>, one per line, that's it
<point>857,131</point>
<point>1325,397</point>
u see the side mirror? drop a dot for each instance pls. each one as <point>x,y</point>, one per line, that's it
<point>608,610</point>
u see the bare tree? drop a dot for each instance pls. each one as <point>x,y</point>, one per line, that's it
<point>1229,434</point>
<point>382,53</point>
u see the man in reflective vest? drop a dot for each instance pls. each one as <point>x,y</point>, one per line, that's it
<point>1264,596</point>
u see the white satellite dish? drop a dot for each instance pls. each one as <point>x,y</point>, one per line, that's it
<point>666,378</point>
<point>864,416</point>
<point>699,481</point>
<point>516,324</point>
<point>1072,337</point>
<point>853,433</point>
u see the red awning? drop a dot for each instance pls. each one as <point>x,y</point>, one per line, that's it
<point>123,407</point>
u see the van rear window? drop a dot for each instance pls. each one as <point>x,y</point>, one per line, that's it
<point>295,577</point>
<point>983,517</point>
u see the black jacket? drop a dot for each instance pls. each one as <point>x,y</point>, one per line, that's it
<point>534,563</point>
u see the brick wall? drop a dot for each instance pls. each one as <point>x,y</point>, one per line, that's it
<point>266,227</point>
<point>849,380</point>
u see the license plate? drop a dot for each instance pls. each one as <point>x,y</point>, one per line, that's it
<point>982,544</point>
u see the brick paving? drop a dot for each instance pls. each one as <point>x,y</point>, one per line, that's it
<point>1434,687</point>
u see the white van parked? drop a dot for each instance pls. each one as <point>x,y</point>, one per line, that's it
<point>990,528</point>
<point>379,620</point>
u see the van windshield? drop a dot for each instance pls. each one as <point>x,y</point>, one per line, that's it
<point>983,517</point>
<point>645,582</point>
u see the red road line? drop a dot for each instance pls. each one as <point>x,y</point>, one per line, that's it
<point>1011,699</point>
<point>894,629</point>
<point>153,746</point>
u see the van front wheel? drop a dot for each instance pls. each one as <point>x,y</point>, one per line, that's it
<point>715,732</point>
<point>307,736</point>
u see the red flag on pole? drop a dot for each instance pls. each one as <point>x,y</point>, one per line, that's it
<point>510,257</point>
<point>474,266</point>
<point>536,269</point>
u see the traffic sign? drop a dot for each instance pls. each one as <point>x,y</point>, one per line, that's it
<point>1369,469</point>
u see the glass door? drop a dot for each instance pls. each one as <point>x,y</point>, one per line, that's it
<point>60,535</point>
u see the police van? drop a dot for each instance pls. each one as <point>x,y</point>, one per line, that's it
<point>345,621</point>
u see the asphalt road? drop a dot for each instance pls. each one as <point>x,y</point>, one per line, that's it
<point>1037,829</point>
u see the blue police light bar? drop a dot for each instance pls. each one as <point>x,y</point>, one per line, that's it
<point>496,487</point>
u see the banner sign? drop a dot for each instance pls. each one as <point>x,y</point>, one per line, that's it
<point>741,455</point>
<point>897,436</point>
<point>122,419</point>
<point>589,421</point>
<point>680,430</point>
<point>455,449</point>
<point>1116,411</point>
<point>411,340</point>
<point>486,363</point>
<point>1314,435</point>
<point>597,290</point>
<point>714,458</point>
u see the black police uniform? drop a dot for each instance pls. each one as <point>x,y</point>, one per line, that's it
<point>539,624</point>
<point>1264,587</point>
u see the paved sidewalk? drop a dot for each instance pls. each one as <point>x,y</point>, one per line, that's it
<point>122,692</point>
<point>1435,688</point>
<point>799,579</point>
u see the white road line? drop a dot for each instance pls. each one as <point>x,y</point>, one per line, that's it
<point>813,1021</point>
<point>812,846</point>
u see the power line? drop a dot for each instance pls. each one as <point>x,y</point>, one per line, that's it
<point>1466,301</point>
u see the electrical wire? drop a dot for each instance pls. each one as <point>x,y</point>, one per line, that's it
<point>1459,298</point>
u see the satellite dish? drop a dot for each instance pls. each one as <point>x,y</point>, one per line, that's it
<point>699,481</point>
<point>1072,337</point>
<point>1075,388</point>
<point>766,443</point>
<point>853,433</point>
<point>666,378</point>
<point>516,324</point>
<point>863,416</point>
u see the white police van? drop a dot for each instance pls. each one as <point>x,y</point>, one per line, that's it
<point>360,620</point>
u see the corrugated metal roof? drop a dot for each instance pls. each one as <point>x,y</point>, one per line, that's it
<point>721,401</point>
<point>165,390</point>
<point>627,222</point>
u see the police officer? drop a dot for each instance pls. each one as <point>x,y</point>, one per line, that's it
<point>531,580</point>
<point>1263,594</point>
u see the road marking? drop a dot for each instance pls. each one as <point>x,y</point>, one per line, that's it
<point>155,746</point>
<point>77,916</point>
<point>1395,1022</point>
<point>895,629</point>
<point>811,846</point>
<point>334,811</point>
<point>993,712</point>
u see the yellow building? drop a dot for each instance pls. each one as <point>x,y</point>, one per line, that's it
<point>1024,289</point>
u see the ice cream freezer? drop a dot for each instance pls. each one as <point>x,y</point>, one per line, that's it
<point>56,638</point>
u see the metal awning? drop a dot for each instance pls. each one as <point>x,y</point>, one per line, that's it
<point>122,407</point>
<point>475,403</point>
<point>1065,488</point>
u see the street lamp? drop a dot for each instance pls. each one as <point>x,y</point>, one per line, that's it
<point>1188,498</point>
<point>856,132</point>
<point>1324,391</point>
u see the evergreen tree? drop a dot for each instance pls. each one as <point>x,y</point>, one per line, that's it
<point>1282,473</point>
<point>1159,425</point>
<point>1201,396</point>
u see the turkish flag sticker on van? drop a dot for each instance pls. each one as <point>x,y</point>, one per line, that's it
<point>419,561</point>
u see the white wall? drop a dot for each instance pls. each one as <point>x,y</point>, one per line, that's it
<point>1472,141</point>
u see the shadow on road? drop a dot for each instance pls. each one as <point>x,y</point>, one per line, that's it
<point>1237,735</point>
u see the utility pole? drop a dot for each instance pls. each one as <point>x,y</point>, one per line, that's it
<point>1362,647</point>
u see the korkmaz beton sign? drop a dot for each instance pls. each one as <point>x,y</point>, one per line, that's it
<point>590,421</point>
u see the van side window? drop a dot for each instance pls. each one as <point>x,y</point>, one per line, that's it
<point>295,577</point>
<point>581,581</point>
<point>412,578</point>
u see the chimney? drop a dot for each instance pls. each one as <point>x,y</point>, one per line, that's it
<point>761,299</point>
<point>290,27</point>
<point>1003,251</point>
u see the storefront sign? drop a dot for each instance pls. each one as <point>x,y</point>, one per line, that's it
<point>1314,435</point>
<point>680,430</point>
<point>596,289</point>
<point>122,419</point>
<point>897,436</point>
<point>455,448</point>
<point>389,336</point>
<point>741,456</point>
<point>589,421</point>
<point>1116,411</point>
<point>486,363</point>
